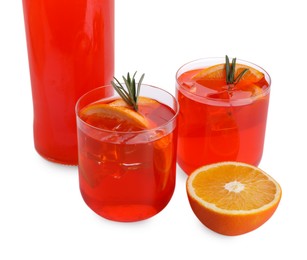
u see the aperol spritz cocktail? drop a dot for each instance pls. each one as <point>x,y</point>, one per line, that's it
<point>127,159</point>
<point>220,121</point>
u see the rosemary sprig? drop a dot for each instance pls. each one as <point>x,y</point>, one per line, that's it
<point>231,70</point>
<point>130,96</point>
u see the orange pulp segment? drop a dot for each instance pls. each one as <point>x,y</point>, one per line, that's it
<point>232,198</point>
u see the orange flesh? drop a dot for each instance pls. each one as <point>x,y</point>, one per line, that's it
<point>253,192</point>
<point>232,198</point>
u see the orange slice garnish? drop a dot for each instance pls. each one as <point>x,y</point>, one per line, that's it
<point>218,72</point>
<point>214,78</point>
<point>232,198</point>
<point>117,118</point>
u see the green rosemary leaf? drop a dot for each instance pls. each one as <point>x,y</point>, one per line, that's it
<point>130,96</point>
<point>127,83</point>
<point>227,70</point>
<point>122,94</point>
<point>139,85</point>
<point>240,75</point>
<point>133,90</point>
<point>120,87</point>
<point>231,72</point>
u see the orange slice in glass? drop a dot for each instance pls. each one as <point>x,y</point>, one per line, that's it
<point>116,118</point>
<point>232,198</point>
<point>214,77</point>
<point>218,72</point>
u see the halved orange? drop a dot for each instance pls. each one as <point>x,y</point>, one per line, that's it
<point>232,198</point>
<point>117,118</point>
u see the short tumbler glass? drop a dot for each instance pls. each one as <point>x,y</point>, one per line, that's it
<point>128,175</point>
<point>220,122</point>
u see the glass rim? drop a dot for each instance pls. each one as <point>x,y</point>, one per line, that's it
<point>267,76</point>
<point>171,120</point>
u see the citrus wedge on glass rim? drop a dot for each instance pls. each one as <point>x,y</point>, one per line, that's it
<point>232,198</point>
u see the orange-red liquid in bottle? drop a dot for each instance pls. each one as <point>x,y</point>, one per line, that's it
<point>71,50</point>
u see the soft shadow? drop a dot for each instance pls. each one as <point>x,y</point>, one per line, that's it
<point>181,175</point>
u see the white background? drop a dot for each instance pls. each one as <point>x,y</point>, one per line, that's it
<point>42,214</point>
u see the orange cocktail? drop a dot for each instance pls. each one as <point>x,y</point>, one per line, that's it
<point>71,51</point>
<point>220,121</point>
<point>127,159</point>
